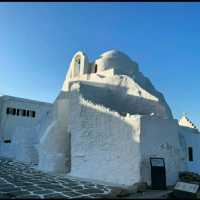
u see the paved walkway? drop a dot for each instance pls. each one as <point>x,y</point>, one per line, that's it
<point>18,180</point>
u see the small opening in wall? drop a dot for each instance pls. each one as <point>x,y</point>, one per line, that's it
<point>77,66</point>
<point>190,153</point>
<point>95,68</point>
<point>32,114</point>
<point>14,111</point>
<point>27,113</point>
<point>9,111</point>
<point>7,141</point>
<point>24,113</point>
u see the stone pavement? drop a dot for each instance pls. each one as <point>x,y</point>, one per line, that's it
<point>19,180</point>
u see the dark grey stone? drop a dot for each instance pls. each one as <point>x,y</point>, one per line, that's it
<point>56,187</point>
<point>46,186</point>
<point>5,196</point>
<point>55,196</point>
<point>72,194</point>
<point>43,192</point>
<point>30,197</point>
<point>90,191</point>
<point>9,189</point>
<point>18,193</point>
<point>6,185</point>
<point>33,188</point>
<point>77,187</point>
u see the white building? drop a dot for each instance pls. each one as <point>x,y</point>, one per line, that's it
<point>190,141</point>
<point>18,126</point>
<point>106,123</point>
<point>113,120</point>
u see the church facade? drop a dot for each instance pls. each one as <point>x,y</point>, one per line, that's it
<point>105,124</point>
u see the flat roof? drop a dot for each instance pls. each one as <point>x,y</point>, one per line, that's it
<point>5,97</point>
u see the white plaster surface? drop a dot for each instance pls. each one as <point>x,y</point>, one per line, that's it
<point>159,138</point>
<point>104,146</point>
<point>119,75</point>
<point>190,138</point>
<point>98,117</point>
<point>102,126</point>
<point>22,131</point>
<point>54,141</point>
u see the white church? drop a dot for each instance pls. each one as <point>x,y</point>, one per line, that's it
<point>105,124</point>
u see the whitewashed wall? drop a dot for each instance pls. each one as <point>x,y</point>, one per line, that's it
<point>159,138</point>
<point>104,146</point>
<point>191,138</point>
<point>54,147</point>
<point>21,130</point>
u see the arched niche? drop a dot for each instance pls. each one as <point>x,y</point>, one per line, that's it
<point>78,66</point>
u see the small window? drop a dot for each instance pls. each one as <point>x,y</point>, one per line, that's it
<point>7,141</point>
<point>14,111</point>
<point>11,111</point>
<point>24,113</point>
<point>95,68</point>
<point>27,113</point>
<point>190,154</point>
<point>17,112</point>
<point>32,113</point>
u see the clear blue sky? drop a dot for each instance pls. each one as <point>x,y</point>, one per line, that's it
<point>38,40</point>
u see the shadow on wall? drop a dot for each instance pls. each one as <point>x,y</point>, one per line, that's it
<point>118,100</point>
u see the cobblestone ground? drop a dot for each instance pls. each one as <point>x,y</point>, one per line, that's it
<point>18,180</point>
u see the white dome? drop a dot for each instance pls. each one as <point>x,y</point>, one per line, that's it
<point>118,61</point>
<point>113,53</point>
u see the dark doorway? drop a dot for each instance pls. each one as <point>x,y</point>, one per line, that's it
<point>158,174</point>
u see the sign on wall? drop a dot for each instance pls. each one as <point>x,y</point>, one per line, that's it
<point>157,162</point>
<point>186,187</point>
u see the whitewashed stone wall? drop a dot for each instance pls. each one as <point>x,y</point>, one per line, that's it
<point>159,138</point>
<point>54,147</point>
<point>104,146</point>
<point>21,130</point>
<point>190,138</point>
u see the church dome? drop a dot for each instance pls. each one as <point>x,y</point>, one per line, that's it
<point>118,61</point>
<point>113,53</point>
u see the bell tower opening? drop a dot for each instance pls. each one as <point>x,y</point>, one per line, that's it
<point>77,66</point>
